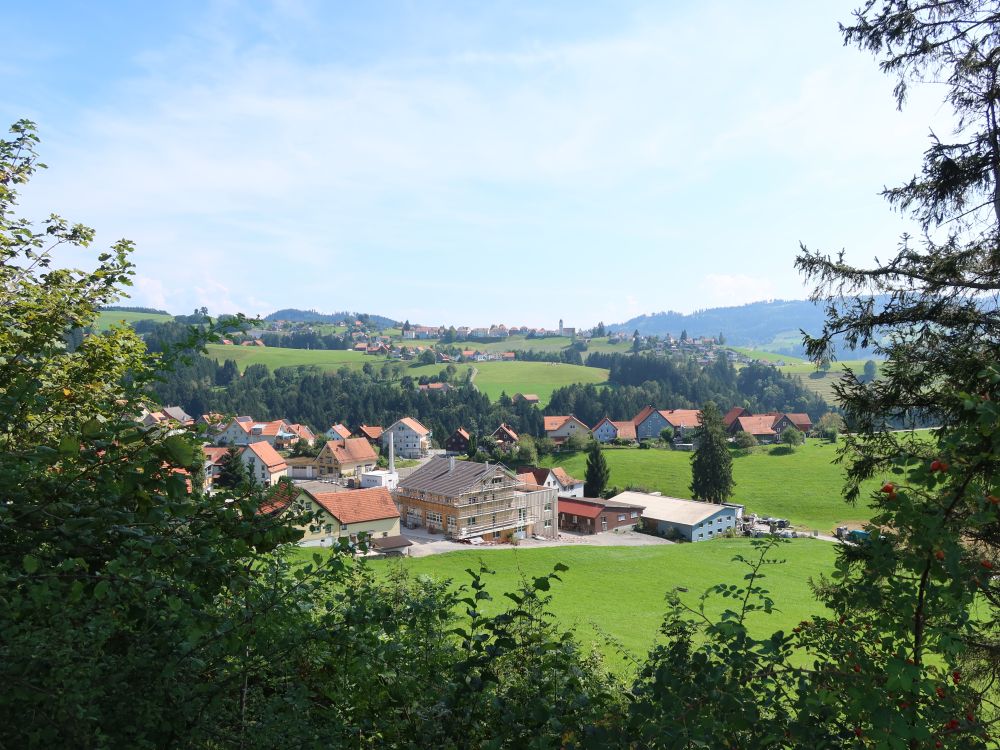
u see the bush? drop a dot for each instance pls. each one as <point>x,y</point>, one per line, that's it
<point>745,441</point>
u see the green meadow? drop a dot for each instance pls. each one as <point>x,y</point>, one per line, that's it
<point>274,357</point>
<point>619,591</point>
<point>108,318</point>
<point>803,486</point>
<point>822,382</point>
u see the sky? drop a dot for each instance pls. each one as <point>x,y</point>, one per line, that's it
<point>462,163</point>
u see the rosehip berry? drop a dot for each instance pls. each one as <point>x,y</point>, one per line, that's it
<point>986,564</point>
<point>940,691</point>
<point>939,555</point>
<point>889,488</point>
<point>857,667</point>
<point>935,465</point>
<point>956,677</point>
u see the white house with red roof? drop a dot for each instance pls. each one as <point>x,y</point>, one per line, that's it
<point>264,463</point>
<point>607,430</point>
<point>411,439</point>
<point>561,428</point>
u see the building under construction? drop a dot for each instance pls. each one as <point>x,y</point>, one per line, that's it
<point>465,499</point>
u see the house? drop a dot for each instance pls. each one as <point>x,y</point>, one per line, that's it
<point>338,432</point>
<point>302,467</point>
<point>691,520</point>
<point>560,429</point>
<point>302,432</point>
<point>505,436</point>
<point>528,398</point>
<point>214,456</point>
<point>467,499</point>
<point>349,513</point>
<point>563,483</point>
<point>412,439</point>
<point>588,515</point>
<point>350,457</point>
<point>800,422</point>
<point>213,422</point>
<point>264,463</point>
<point>607,430</point>
<point>435,387</point>
<point>557,479</point>
<point>178,415</point>
<point>237,432</point>
<point>650,422</point>
<point>458,441</point>
<point>732,415</point>
<point>371,433</point>
<point>761,426</point>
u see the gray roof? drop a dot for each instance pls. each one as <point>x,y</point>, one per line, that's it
<point>671,509</point>
<point>176,412</point>
<point>438,477</point>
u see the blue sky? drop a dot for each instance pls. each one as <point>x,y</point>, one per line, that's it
<point>462,162</point>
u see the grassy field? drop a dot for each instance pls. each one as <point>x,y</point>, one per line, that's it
<point>107,319</point>
<point>541,378</point>
<point>764,356</point>
<point>804,486</point>
<point>822,382</point>
<point>326,359</point>
<point>620,590</point>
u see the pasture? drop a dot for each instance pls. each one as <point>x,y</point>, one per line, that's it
<point>803,486</point>
<point>108,318</point>
<point>619,591</point>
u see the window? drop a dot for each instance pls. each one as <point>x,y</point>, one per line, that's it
<point>328,528</point>
<point>634,514</point>
<point>548,506</point>
<point>548,523</point>
<point>621,516</point>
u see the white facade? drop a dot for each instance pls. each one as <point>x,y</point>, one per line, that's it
<point>573,489</point>
<point>605,432</point>
<point>409,443</point>
<point>387,479</point>
<point>260,471</point>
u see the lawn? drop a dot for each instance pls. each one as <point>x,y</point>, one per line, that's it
<point>764,356</point>
<point>108,318</point>
<point>274,357</point>
<point>822,382</point>
<point>620,590</point>
<point>803,486</point>
<point>541,378</point>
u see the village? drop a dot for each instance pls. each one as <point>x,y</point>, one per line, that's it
<point>355,492</point>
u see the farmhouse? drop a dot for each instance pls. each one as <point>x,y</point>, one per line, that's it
<point>557,479</point>
<point>349,513</point>
<point>338,432</point>
<point>761,426</point>
<point>458,441</point>
<point>528,398</point>
<point>350,457</point>
<point>466,499</point>
<point>589,515</point>
<point>264,463</point>
<point>650,422</point>
<point>560,429</point>
<point>369,432</point>
<point>505,436</point>
<point>607,430</point>
<point>689,520</point>
<point>412,439</point>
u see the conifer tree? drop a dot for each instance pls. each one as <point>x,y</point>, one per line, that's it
<point>596,478</point>
<point>711,464</point>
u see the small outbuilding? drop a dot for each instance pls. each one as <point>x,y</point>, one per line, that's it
<point>690,520</point>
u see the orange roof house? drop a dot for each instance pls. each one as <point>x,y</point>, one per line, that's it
<point>346,457</point>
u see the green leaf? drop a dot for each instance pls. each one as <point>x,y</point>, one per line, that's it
<point>30,563</point>
<point>69,445</point>
<point>180,449</point>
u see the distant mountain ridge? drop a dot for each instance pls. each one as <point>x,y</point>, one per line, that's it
<point>772,325</point>
<point>296,315</point>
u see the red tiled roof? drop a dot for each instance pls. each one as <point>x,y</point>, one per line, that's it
<point>505,433</point>
<point>762,424</point>
<point>268,456</point>
<point>563,478</point>
<point>801,421</point>
<point>687,418</point>
<point>372,432</point>
<point>214,454</point>
<point>339,429</point>
<point>357,506</point>
<point>732,415</point>
<point>639,418</point>
<point>461,432</point>
<point>302,431</point>
<point>415,425</point>
<point>272,428</point>
<point>554,423</point>
<point>531,475</point>
<point>578,508</point>
<point>352,451</point>
<point>280,497</point>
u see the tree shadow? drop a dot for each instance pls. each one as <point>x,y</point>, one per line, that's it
<point>781,450</point>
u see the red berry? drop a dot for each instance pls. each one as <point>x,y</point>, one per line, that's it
<point>986,564</point>
<point>857,667</point>
<point>939,554</point>
<point>940,691</point>
<point>970,716</point>
<point>889,488</point>
<point>956,677</point>
<point>935,465</point>
<point>857,731</point>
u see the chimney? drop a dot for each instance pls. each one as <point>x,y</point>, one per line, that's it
<point>392,454</point>
<point>451,464</point>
